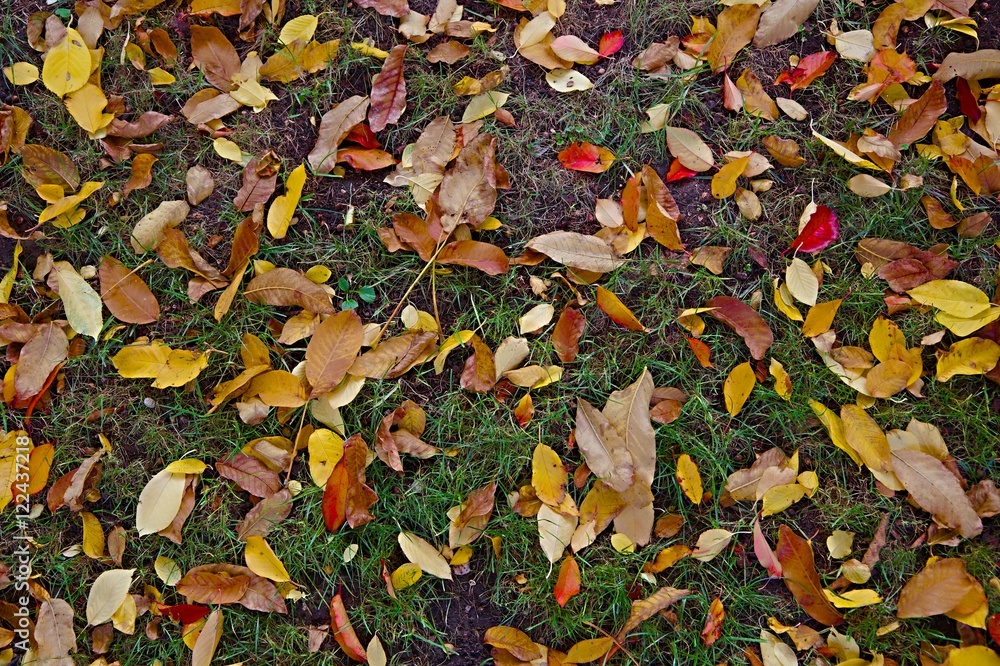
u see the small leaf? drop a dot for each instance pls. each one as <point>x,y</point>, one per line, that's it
<point>738,386</point>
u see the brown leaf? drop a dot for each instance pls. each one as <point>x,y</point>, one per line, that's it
<point>940,587</point>
<point>45,166</point>
<point>936,490</point>
<point>333,127</point>
<point>756,101</point>
<point>479,373</point>
<point>199,183</point>
<point>360,497</point>
<point>919,117</point>
<point>468,193</point>
<point>260,178</point>
<point>332,350</point>
<point>249,474</point>
<point>483,256</point>
<point>388,98</point>
<point>263,517</point>
<point>395,356</point>
<point>396,8</point>
<point>603,447</point>
<point>399,432</point>
<point>54,633</point>
<point>643,609</point>
<point>736,27</point>
<point>781,20</point>
<point>148,122</point>
<point>127,297</point>
<point>246,241</point>
<point>744,320</point>
<point>285,287</point>
<point>799,570</point>
<point>449,52</point>
<point>203,586</point>
<point>479,503</point>
<point>215,56</point>
<point>566,334</point>
<point>39,357</point>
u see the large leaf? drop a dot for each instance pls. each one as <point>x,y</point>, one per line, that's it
<point>388,99</point>
<point>285,287</point>
<point>983,64</point>
<point>919,117</point>
<point>215,56</point>
<point>125,294</point>
<point>936,490</point>
<point>468,193</point>
<point>576,250</point>
<point>332,350</point>
<point>940,587</point>
<point>736,27</point>
<point>107,594</point>
<point>602,447</point>
<point>333,127</point>
<point>799,571</point>
<point>67,64</point>
<point>208,640</point>
<point>782,20</point>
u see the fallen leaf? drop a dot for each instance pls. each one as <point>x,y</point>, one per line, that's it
<point>799,572</point>
<point>568,582</point>
<point>737,387</point>
<point>586,157</point>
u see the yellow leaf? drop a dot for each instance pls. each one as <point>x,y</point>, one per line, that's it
<point>252,94</point>
<point>852,598</point>
<point>865,436</point>
<point>536,318</point>
<point>622,543</point>
<point>548,476</point>
<point>667,558</point>
<point>279,215</point>
<point>588,650</point>
<point>227,149</point>
<point>161,77</point>
<point>326,448</point>
<point>690,478</point>
<point>7,283</point>
<point>961,326</point>
<point>167,570</point>
<point>21,73</point>
<point>780,497</point>
<point>69,202</point>
<point>369,50</point>
<point>405,576</point>
<point>819,319</point>
<point>959,299</point>
<point>782,382</point>
<point>93,536</point>
<point>802,282</point>
<point>181,367</point>
<point>319,274</point>
<point>835,428</point>
<point>839,544</point>
<point>974,655</point>
<point>724,181</point>
<point>143,361</point>
<point>848,155</point>
<point>784,302</point>
<point>484,105</point>
<point>737,387</point>
<point>186,466</point>
<point>883,337</point>
<point>568,80</point>
<point>300,28</point>
<point>107,594</point>
<point>159,502</point>
<point>262,560</point>
<point>424,555</point>
<point>972,356</point>
<point>67,64</point>
<point>461,556</point>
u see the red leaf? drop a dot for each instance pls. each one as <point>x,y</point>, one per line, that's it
<point>566,334</point>
<point>184,613</point>
<point>701,352</point>
<point>343,632</point>
<point>993,624</point>
<point>744,320</point>
<point>678,171</point>
<point>967,102</point>
<point>611,43</point>
<point>586,157</point>
<point>762,549</point>
<point>335,497</point>
<point>568,584</point>
<point>819,233</point>
<point>362,135</point>
<point>388,92</point>
<point>808,70</point>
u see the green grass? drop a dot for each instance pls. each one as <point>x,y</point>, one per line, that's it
<point>478,431</point>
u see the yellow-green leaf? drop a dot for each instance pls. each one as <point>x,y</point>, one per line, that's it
<point>262,561</point>
<point>959,299</point>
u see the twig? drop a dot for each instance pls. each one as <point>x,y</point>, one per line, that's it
<point>618,644</point>
<point>399,305</point>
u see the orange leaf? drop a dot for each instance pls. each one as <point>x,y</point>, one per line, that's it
<point>701,351</point>
<point>566,334</point>
<point>335,497</point>
<point>713,623</point>
<point>586,157</point>
<point>343,632</point>
<point>799,570</point>
<point>617,311</point>
<point>568,583</point>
